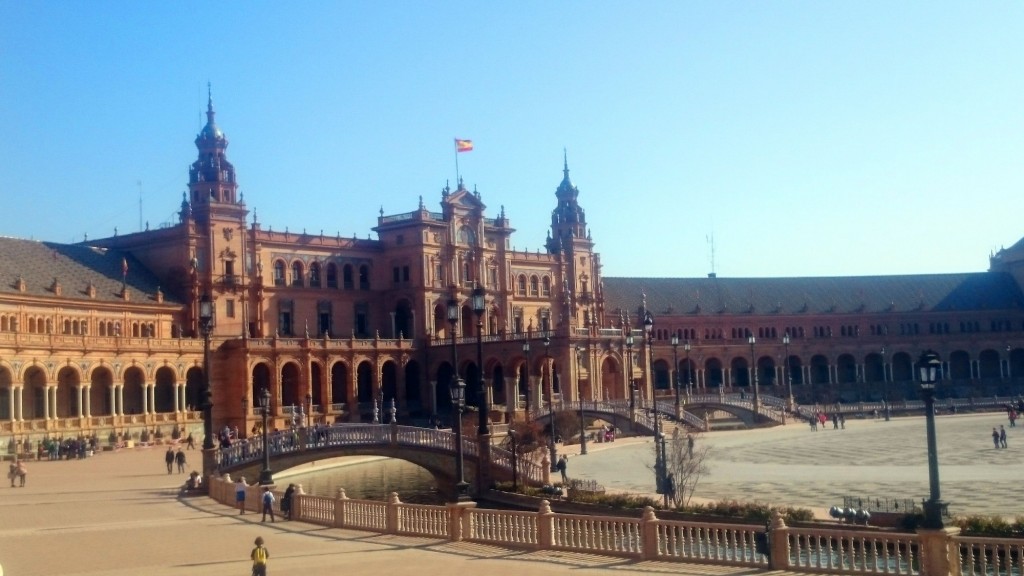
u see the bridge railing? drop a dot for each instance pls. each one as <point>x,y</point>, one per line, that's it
<point>824,549</point>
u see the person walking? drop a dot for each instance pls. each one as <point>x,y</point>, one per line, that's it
<point>286,502</point>
<point>1002,436</point>
<point>22,472</point>
<point>995,437</point>
<point>190,442</point>
<point>169,459</point>
<point>240,488</point>
<point>561,467</point>
<point>259,557</point>
<point>268,504</point>
<point>179,459</point>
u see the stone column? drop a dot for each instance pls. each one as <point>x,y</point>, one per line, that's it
<point>20,403</point>
<point>87,401</point>
<point>10,402</point>
<point>80,391</point>
<point>940,554</point>
<point>46,403</point>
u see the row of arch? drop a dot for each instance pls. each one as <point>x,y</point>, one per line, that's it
<point>316,277</point>
<point>76,326</point>
<point>35,396</point>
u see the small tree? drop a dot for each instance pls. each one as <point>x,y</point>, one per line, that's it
<point>685,457</point>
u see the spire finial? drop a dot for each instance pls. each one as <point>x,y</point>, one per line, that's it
<point>565,161</point>
<point>209,97</point>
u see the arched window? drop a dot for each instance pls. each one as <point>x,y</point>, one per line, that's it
<point>534,282</point>
<point>314,275</point>
<point>296,273</point>
<point>522,285</point>
<point>364,277</point>
<point>347,276</point>
<point>546,287</point>
<point>332,276</point>
<point>279,273</point>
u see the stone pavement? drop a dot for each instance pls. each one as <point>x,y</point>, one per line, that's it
<point>118,514</point>
<point>791,465</point>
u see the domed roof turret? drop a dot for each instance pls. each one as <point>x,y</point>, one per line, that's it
<point>210,133</point>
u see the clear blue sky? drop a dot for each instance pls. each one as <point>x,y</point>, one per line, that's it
<point>809,138</point>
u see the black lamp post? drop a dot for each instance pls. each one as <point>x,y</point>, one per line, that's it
<point>309,410</point>
<point>552,450</point>
<point>928,366</point>
<point>245,415</point>
<point>515,459</point>
<point>579,394</point>
<point>786,373</point>
<point>457,390</point>
<point>689,369</point>
<point>526,350</point>
<point>266,476</point>
<point>675,369</point>
<point>649,332</point>
<point>207,320</point>
<point>629,377</point>
<point>753,375</point>
<point>479,306</point>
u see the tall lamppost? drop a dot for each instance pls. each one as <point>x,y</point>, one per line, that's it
<point>457,390</point>
<point>479,307</point>
<point>245,414</point>
<point>753,373</point>
<point>786,372</point>
<point>552,451</point>
<point>659,440</point>
<point>885,384</point>
<point>689,370</point>
<point>928,366</point>
<point>207,320</point>
<point>675,369</point>
<point>309,410</point>
<point>526,351</point>
<point>266,476</point>
<point>629,377</point>
<point>579,395</point>
<point>515,459</point>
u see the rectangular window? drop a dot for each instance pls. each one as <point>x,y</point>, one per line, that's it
<point>229,308</point>
<point>405,273</point>
<point>395,275</point>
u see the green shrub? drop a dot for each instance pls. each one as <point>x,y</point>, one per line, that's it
<point>990,526</point>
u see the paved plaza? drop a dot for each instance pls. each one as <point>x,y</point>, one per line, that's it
<point>791,465</point>
<point>119,514</point>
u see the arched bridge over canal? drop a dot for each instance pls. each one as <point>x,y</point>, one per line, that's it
<point>433,450</point>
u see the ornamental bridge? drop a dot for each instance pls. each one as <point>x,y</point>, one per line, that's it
<point>433,450</point>
<point>485,463</point>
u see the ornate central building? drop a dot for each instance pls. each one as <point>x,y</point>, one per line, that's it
<point>104,336</point>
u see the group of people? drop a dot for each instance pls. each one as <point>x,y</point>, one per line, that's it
<point>171,458</point>
<point>66,448</point>
<point>17,471</point>
<point>821,418</point>
<point>999,437</point>
<point>267,500</point>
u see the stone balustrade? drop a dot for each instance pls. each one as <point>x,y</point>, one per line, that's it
<point>823,550</point>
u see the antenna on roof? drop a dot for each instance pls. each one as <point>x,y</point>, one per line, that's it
<point>139,182</point>
<point>711,249</point>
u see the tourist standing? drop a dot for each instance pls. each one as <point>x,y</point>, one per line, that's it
<point>1002,436</point>
<point>169,459</point>
<point>995,438</point>
<point>561,467</point>
<point>179,459</point>
<point>268,504</point>
<point>259,556</point>
<point>240,488</point>
<point>286,502</point>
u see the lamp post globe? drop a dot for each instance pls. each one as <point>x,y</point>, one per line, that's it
<point>629,377</point>
<point>207,320</point>
<point>928,367</point>
<point>753,375</point>
<point>458,397</point>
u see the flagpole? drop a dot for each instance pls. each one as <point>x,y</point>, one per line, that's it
<point>457,180</point>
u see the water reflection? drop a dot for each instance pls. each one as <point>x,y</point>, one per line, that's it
<point>365,479</point>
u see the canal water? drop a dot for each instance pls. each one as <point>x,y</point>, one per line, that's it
<point>364,478</point>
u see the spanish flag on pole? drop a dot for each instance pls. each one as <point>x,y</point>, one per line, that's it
<point>463,145</point>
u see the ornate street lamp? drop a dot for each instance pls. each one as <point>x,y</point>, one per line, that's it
<point>629,378</point>
<point>675,369</point>
<point>928,365</point>
<point>659,440</point>
<point>552,451</point>
<point>245,414</point>
<point>786,372</point>
<point>753,374</point>
<point>515,459</point>
<point>207,320</point>
<point>458,396</point>
<point>309,410</point>
<point>579,395</point>
<point>266,476</point>
<point>479,307</point>
<point>689,370</point>
<point>526,350</point>
<point>457,391</point>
